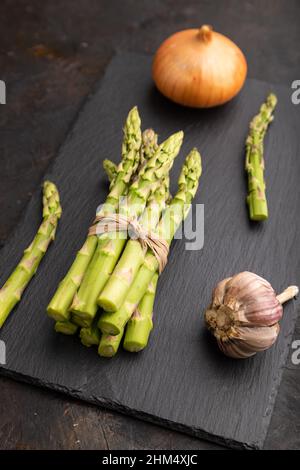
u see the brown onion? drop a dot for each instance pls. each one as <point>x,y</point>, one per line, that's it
<point>199,68</point>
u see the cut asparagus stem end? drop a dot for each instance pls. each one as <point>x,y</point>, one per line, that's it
<point>57,315</point>
<point>137,334</point>
<point>107,304</point>
<point>109,328</point>
<point>288,294</point>
<point>258,209</point>
<point>109,345</point>
<point>58,308</point>
<point>82,315</point>
<point>89,339</point>
<point>106,351</point>
<point>134,346</point>
<point>65,327</point>
<point>81,310</point>
<point>83,322</point>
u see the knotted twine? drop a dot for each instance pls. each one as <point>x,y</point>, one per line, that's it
<point>148,239</point>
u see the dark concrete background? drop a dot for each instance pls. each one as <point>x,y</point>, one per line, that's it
<point>51,55</point>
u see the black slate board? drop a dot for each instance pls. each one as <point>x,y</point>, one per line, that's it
<point>181,380</point>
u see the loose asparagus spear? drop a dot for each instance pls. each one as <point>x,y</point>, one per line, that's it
<point>140,324</point>
<point>132,258</point>
<point>109,345</point>
<point>65,327</point>
<point>11,292</point>
<point>256,199</point>
<point>113,323</point>
<point>58,307</point>
<point>111,245</point>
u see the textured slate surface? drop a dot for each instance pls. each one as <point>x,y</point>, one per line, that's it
<point>181,380</point>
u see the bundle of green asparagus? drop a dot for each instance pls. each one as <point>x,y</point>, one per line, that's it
<point>139,327</point>
<point>116,273</point>
<point>110,246</point>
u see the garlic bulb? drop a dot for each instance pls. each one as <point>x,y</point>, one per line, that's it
<point>244,314</point>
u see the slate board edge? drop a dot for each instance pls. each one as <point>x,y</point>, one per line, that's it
<point>134,413</point>
<point>111,405</point>
<point>278,378</point>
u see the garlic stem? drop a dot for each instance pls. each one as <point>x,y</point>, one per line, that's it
<point>288,294</point>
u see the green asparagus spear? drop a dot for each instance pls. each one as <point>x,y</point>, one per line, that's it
<point>110,246</point>
<point>113,323</point>
<point>11,292</point>
<point>256,199</point>
<point>140,324</point>
<point>58,307</point>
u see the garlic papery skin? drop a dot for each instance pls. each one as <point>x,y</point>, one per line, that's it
<point>244,314</point>
<point>246,342</point>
